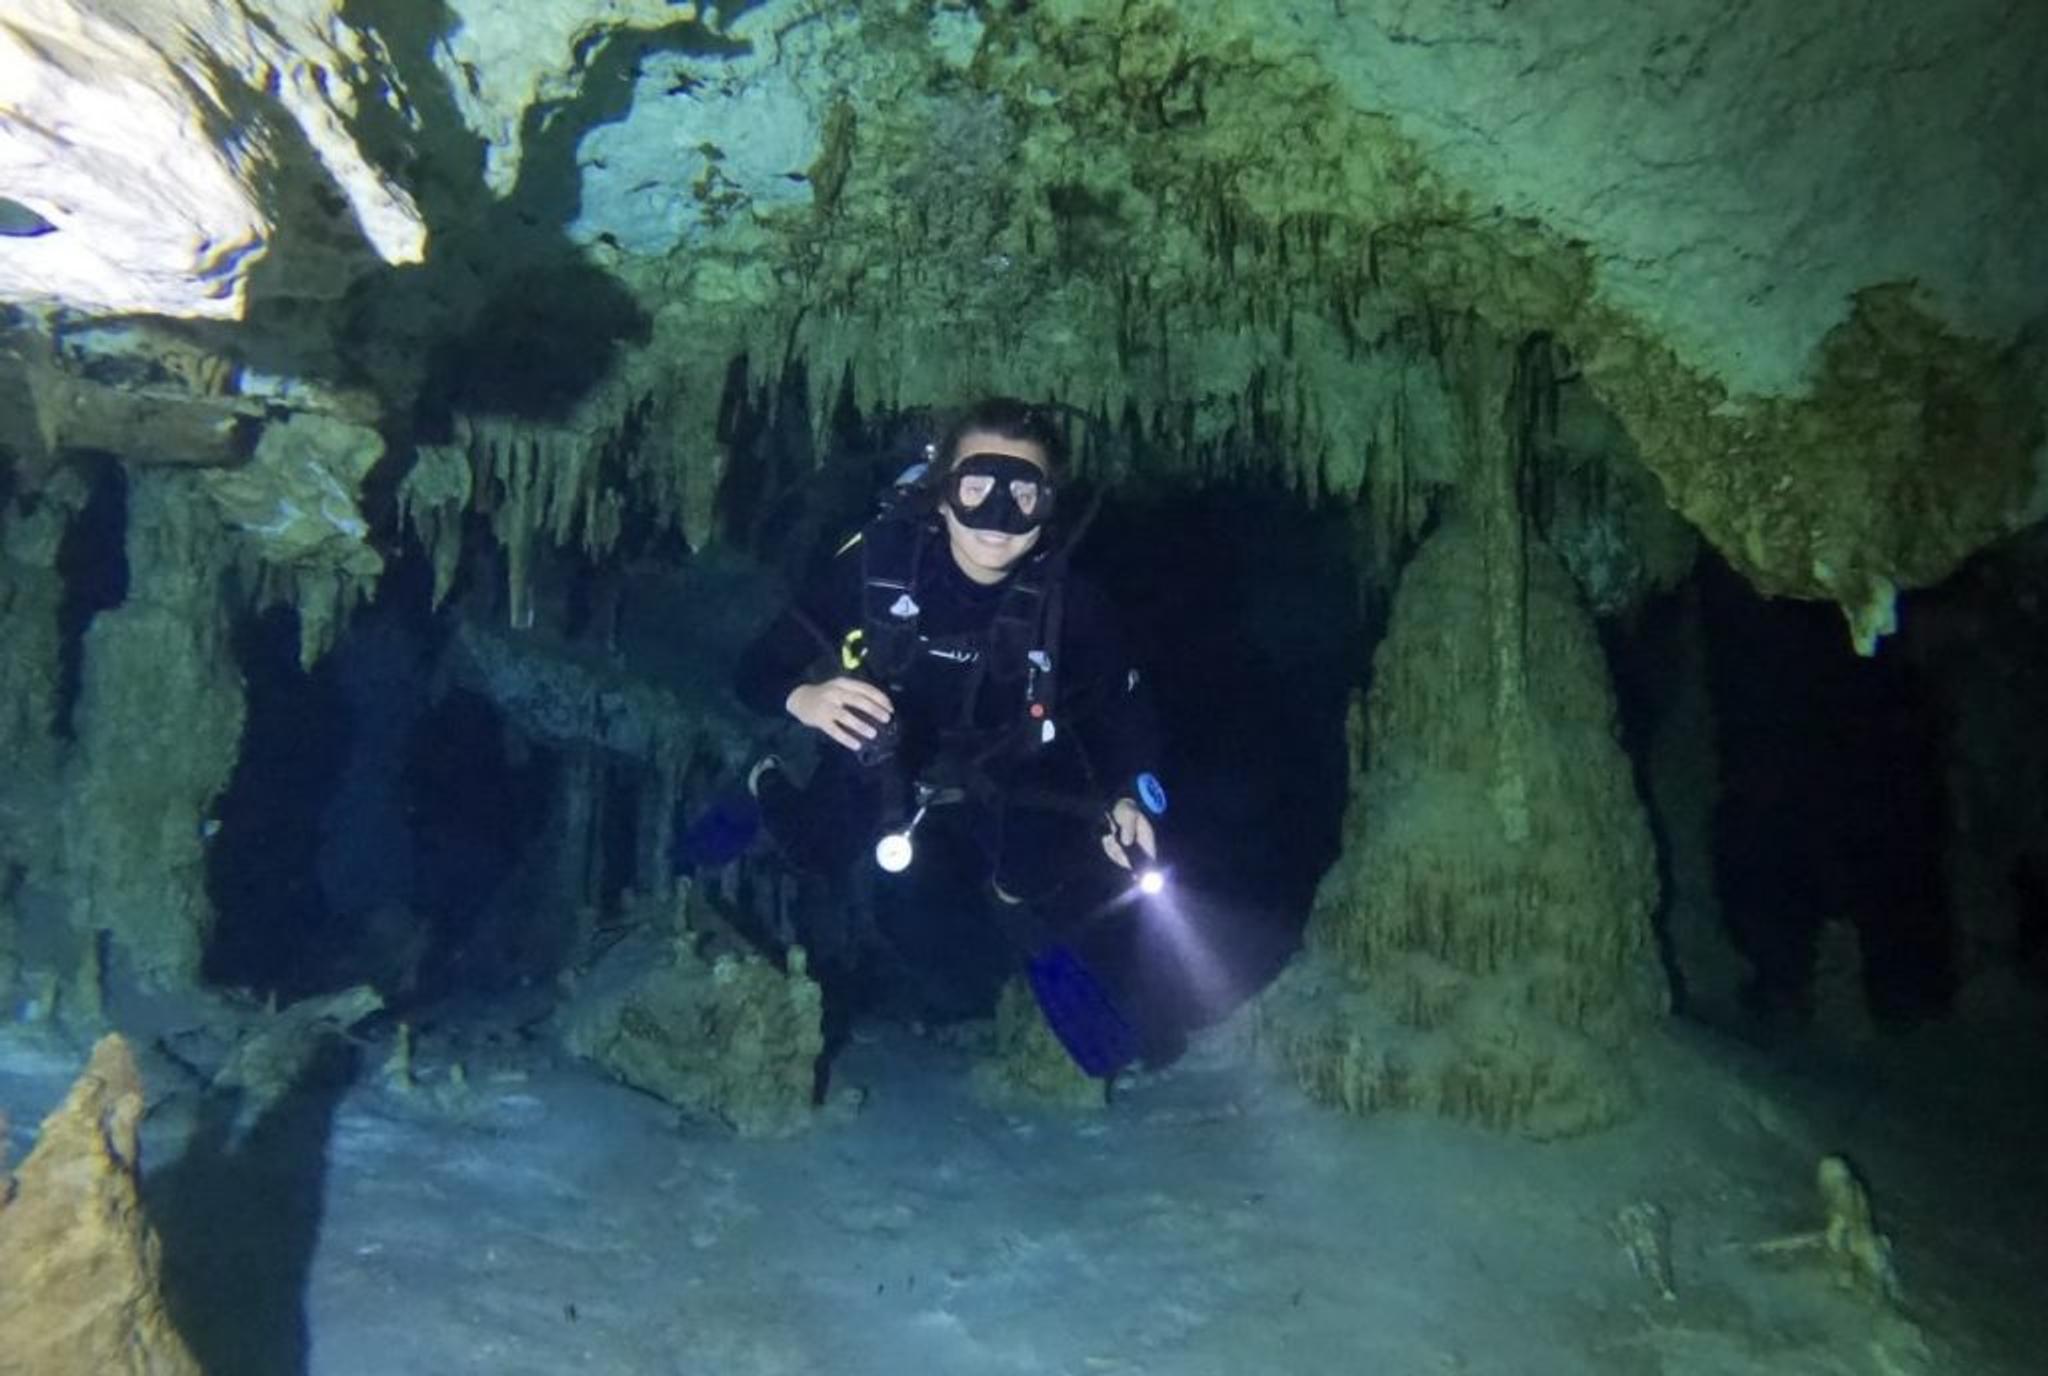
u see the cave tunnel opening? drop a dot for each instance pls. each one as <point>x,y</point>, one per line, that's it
<point>1243,604</point>
<point>389,825</point>
<point>373,820</point>
<point>274,928</point>
<point>479,797</point>
<point>1241,599</point>
<point>1831,803</point>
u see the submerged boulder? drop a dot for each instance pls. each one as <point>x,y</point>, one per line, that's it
<point>733,1036</point>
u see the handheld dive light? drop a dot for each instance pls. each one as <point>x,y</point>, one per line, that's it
<point>1150,877</point>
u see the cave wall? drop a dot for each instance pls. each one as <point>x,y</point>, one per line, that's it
<point>32,599</point>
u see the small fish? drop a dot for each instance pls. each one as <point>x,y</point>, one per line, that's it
<point>209,828</point>
<point>18,221</point>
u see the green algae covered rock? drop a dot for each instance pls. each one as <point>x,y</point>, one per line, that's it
<point>1026,1063</point>
<point>732,1036</point>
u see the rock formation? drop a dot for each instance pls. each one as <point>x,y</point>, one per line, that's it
<point>1732,277</point>
<point>32,595</point>
<point>1482,948</point>
<point>159,717</point>
<point>79,1291</point>
<point>1682,778</point>
<point>728,1035</point>
<point>1025,1063</point>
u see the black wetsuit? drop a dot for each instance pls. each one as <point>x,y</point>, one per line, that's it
<point>1034,813</point>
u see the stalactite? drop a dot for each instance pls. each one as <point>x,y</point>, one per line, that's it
<point>637,446</point>
<point>300,538</point>
<point>432,500</point>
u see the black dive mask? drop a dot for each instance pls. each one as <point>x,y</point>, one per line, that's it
<point>999,492</point>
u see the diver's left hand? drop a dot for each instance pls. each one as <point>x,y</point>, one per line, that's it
<point>1128,826</point>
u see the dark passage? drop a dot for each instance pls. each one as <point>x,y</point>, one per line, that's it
<point>1831,804</point>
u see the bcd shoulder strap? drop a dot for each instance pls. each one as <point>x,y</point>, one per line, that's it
<point>891,557</point>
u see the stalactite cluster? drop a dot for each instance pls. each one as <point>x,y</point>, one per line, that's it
<point>638,454</point>
<point>1287,235</point>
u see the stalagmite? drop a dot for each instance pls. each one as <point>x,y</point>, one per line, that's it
<point>1025,1063</point>
<point>1482,947</point>
<point>79,1285</point>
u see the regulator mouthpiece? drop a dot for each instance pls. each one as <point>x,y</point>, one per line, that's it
<point>894,852</point>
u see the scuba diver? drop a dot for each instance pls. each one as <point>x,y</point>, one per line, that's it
<point>969,685</point>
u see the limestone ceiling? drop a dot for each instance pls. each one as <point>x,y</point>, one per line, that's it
<point>1784,242</point>
<point>150,138</point>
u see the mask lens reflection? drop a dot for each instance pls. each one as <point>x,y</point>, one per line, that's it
<point>1000,492</point>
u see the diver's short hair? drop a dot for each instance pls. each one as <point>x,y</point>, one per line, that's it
<point>1013,419</point>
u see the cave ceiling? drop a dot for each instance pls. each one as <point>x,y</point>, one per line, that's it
<point>1798,255</point>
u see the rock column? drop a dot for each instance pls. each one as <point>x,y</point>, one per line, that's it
<point>1483,947</point>
<point>159,723</point>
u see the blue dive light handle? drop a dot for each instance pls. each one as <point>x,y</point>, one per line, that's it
<point>1151,793</point>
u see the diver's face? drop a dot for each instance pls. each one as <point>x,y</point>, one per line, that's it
<point>987,556</point>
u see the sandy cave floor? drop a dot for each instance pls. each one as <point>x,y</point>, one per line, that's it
<point>535,1219</point>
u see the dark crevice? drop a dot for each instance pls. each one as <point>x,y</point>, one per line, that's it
<point>92,561</point>
<point>1832,804</point>
<point>274,929</point>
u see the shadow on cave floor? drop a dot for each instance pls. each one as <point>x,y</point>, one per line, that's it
<point>239,1213</point>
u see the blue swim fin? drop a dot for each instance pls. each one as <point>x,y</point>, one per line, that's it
<point>721,832</point>
<point>1081,1013</point>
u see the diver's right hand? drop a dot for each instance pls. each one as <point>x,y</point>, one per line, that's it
<point>849,710</point>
